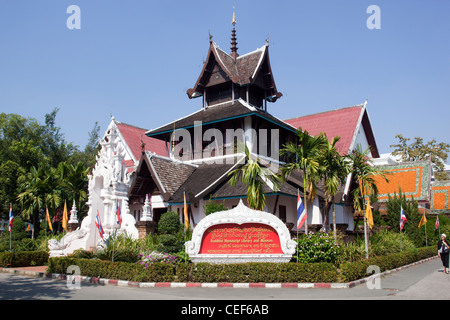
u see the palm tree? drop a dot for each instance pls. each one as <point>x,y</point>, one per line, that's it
<point>39,189</point>
<point>253,174</point>
<point>75,182</point>
<point>334,170</point>
<point>303,156</point>
<point>364,173</point>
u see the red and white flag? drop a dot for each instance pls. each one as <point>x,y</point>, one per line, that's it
<point>402,218</point>
<point>99,226</point>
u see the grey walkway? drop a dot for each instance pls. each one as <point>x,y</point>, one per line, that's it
<point>422,281</point>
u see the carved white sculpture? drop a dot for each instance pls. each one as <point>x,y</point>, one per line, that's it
<point>147,214</point>
<point>73,214</point>
<point>240,215</point>
<point>108,183</point>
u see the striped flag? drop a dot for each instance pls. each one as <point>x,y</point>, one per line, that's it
<point>119,213</point>
<point>11,218</point>
<point>301,212</point>
<point>436,226</point>
<point>98,224</point>
<point>402,218</point>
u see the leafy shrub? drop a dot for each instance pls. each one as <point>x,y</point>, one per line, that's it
<point>119,248</point>
<point>212,207</point>
<point>386,242</point>
<point>411,209</point>
<point>82,254</point>
<point>169,243</point>
<point>154,256</point>
<point>318,247</point>
<point>258,272</point>
<point>159,271</point>
<point>23,259</point>
<point>169,223</point>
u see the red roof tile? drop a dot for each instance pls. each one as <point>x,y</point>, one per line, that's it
<point>340,122</point>
<point>133,136</point>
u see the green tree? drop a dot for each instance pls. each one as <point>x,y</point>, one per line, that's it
<point>334,170</point>
<point>364,173</point>
<point>303,155</point>
<point>87,157</point>
<point>252,174</point>
<point>213,206</point>
<point>24,144</point>
<point>39,189</point>
<point>411,209</point>
<point>437,153</point>
<point>75,183</point>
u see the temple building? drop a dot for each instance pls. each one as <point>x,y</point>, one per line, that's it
<point>144,173</point>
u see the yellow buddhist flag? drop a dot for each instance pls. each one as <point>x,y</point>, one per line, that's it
<point>65,218</point>
<point>423,220</point>
<point>49,221</point>
<point>28,228</point>
<point>369,216</point>
<point>186,217</point>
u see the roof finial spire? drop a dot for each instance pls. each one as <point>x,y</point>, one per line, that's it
<point>233,21</point>
<point>234,53</point>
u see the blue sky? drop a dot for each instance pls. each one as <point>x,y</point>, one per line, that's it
<point>136,59</point>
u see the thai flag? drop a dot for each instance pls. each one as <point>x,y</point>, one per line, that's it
<point>98,224</point>
<point>301,212</point>
<point>436,226</point>
<point>11,218</point>
<point>402,218</point>
<point>119,214</point>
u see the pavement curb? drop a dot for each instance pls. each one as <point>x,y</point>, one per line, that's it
<point>134,284</point>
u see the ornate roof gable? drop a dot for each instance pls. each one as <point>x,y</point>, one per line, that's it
<point>248,69</point>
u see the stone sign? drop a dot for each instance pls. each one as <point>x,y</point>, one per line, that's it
<point>240,235</point>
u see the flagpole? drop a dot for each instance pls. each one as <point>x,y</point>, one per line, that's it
<point>298,194</point>
<point>401,240</point>
<point>114,242</point>
<point>46,225</point>
<point>185,229</point>
<point>10,231</point>
<point>366,240</point>
<point>426,239</point>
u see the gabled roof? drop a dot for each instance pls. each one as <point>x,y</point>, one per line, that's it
<point>344,122</point>
<point>242,71</point>
<point>217,113</point>
<point>134,136</point>
<point>167,174</point>
<point>204,179</point>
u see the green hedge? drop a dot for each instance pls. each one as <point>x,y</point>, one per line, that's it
<point>202,272</point>
<point>23,259</point>
<point>350,271</point>
<point>251,272</point>
<point>160,272</point>
<point>258,272</point>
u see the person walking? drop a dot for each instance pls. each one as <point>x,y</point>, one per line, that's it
<point>443,251</point>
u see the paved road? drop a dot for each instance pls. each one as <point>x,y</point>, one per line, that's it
<point>423,281</point>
